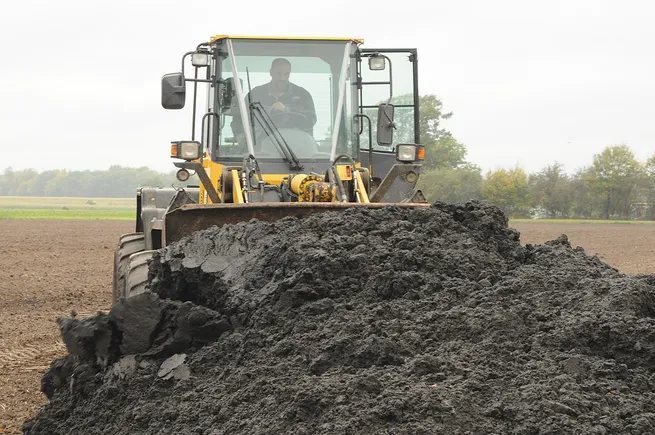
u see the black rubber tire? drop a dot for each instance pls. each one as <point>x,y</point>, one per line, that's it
<point>136,275</point>
<point>128,244</point>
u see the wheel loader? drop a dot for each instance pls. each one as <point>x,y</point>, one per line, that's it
<point>287,126</point>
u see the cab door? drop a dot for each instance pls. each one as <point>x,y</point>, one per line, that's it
<point>396,83</point>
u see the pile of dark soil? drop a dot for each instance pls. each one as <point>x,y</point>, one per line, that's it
<point>394,321</point>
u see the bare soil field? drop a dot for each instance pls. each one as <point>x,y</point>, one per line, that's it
<point>49,268</point>
<point>628,247</point>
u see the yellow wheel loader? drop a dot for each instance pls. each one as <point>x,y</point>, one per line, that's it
<point>290,126</point>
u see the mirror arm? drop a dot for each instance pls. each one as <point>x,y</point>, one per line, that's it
<point>196,79</point>
<point>183,59</point>
<point>195,99</point>
<point>370,140</point>
<point>388,60</point>
<point>385,127</point>
<point>195,90</point>
<point>392,123</point>
<point>204,144</point>
<point>390,75</point>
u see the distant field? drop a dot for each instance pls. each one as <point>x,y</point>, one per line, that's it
<point>578,221</point>
<point>32,207</point>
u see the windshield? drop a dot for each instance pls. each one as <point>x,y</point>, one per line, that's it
<point>286,101</point>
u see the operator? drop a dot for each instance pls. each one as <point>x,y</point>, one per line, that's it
<point>287,104</point>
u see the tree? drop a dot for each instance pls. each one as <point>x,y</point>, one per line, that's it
<point>582,198</point>
<point>442,150</point>
<point>38,187</point>
<point>649,187</point>
<point>649,167</point>
<point>8,182</point>
<point>452,184</point>
<point>24,181</point>
<point>445,152</point>
<point>615,174</point>
<point>509,190</point>
<point>551,189</point>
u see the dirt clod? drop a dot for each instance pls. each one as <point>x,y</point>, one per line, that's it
<point>393,321</point>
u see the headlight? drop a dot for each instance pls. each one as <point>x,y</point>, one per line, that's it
<point>187,150</point>
<point>406,153</point>
<point>410,152</point>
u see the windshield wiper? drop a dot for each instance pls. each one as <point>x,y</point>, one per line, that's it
<point>264,118</point>
<point>272,131</point>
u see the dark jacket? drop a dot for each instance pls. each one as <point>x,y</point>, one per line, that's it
<point>295,99</point>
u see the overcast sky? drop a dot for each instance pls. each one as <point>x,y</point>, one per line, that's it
<point>529,82</point>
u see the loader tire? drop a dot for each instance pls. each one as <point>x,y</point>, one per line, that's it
<point>136,274</point>
<point>128,244</point>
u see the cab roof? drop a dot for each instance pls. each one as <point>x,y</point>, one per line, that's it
<point>288,38</point>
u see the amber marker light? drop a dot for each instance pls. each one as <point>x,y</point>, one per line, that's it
<point>420,154</point>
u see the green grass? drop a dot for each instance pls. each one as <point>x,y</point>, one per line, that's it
<point>579,221</point>
<point>32,207</point>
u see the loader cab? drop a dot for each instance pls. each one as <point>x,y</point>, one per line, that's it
<point>348,85</point>
<point>342,100</point>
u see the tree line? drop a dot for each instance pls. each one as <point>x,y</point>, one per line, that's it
<point>614,186</point>
<point>116,182</point>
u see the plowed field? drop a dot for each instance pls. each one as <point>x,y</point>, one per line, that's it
<point>49,268</point>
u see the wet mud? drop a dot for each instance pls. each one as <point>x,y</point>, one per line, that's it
<point>396,321</point>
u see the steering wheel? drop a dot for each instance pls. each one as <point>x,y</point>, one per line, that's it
<point>290,119</point>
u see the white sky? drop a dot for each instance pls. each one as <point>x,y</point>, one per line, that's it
<point>529,82</point>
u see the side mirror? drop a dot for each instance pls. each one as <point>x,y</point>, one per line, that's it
<point>173,91</point>
<point>385,125</point>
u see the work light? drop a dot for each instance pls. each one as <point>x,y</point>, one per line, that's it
<point>376,63</point>
<point>410,152</point>
<point>187,150</point>
<point>200,58</point>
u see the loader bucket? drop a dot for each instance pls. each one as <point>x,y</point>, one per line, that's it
<point>188,218</point>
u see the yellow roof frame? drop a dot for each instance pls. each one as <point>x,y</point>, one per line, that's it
<point>287,38</point>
